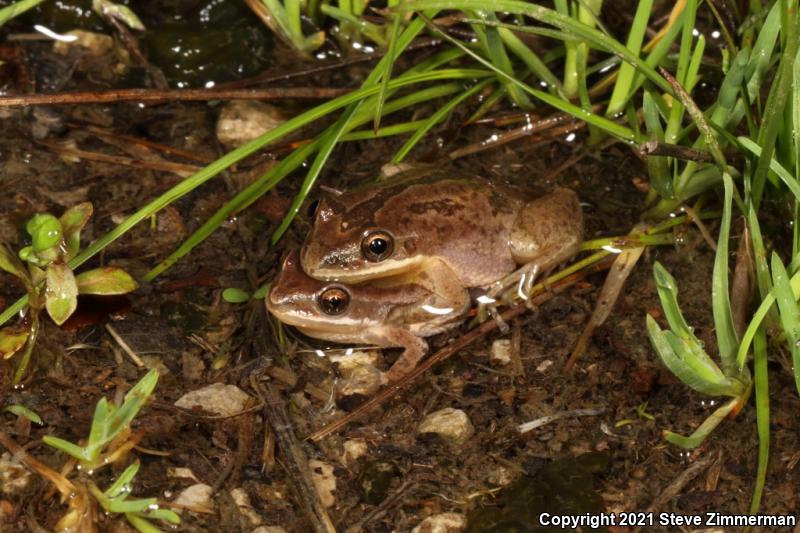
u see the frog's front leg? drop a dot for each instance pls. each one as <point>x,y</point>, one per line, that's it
<point>414,348</point>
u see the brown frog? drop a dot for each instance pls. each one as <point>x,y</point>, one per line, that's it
<point>394,313</point>
<point>480,231</point>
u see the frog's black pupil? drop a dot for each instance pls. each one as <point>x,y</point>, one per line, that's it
<point>334,301</point>
<point>378,246</point>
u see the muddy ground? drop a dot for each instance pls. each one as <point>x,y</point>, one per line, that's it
<point>613,460</point>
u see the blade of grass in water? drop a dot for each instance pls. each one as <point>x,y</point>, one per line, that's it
<point>761,382</point>
<point>676,112</point>
<point>548,16</point>
<point>621,92</point>
<point>531,60</point>
<point>720,293</point>
<point>603,123</point>
<point>776,103</point>
<point>492,43</point>
<point>789,312</point>
<point>387,73</point>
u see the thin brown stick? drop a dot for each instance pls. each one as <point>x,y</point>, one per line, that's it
<point>158,95</point>
<point>105,134</point>
<point>181,169</point>
<point>675,150</point>
<point>463,341</point>
<point>295,460</point>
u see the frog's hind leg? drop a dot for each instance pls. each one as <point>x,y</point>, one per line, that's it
<point>548,230</point>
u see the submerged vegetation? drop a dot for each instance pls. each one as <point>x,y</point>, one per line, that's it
<point>707,95</point>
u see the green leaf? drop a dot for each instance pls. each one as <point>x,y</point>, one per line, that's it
<point>65,446</point>
<point>73,221</point>
<point>17,8</point>
<point>142,524</point>
<point>21,410</point>
<point>12,339</point>
<point>109,420</point>
<point>261,292</point>
<point>61,293</point>
<point>235,296</point>
<point>124,479</point>
<point>705,429</point>
<point>105,281</point>
<point>45,230</point>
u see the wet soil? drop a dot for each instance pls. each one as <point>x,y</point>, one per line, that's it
<point>615,460</point>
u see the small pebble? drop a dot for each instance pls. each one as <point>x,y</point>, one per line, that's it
<point>452,425</point>
<point>442,523</point>
<point>196,498</point>
<point>353,450</point>
<point>217,398</point>
<point>241,121</point>
<point>501,351</point>
<point>324,481</point>
<point>242,500</point>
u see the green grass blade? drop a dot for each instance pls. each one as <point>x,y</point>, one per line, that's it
<point>673,353</point>
<point>603,123</point>
<point>531,60</point>
<point>779,170</point>
<point>668,294</point>
<point>763,50</point>
<point>386,75</point>
<point>327,144</point>
<point>720,293</point>
<point>762,415</point>
<point>775,106</point>
<point>553,18</point>
<point>622,87</point>
<point>789,312</point>
<point>657,166</point>
<point>496,53</point>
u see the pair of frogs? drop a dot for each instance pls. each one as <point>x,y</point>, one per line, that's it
<point>394,262</point>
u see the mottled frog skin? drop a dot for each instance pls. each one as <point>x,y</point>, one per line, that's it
<point>394,313</point>
<point>480,231</point>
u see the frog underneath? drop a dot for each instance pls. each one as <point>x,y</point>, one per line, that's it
<point>397,313</point>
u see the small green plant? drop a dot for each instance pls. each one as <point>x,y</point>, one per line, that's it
<point>48,279</point>
<point>109,441</point>
<point>684,354</point>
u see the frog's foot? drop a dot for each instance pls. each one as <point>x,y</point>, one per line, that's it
<point>414,349</point>
<point>516,285</point>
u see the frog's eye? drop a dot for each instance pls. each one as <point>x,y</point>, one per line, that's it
<point>334,300</point>
<point>377,246</point>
